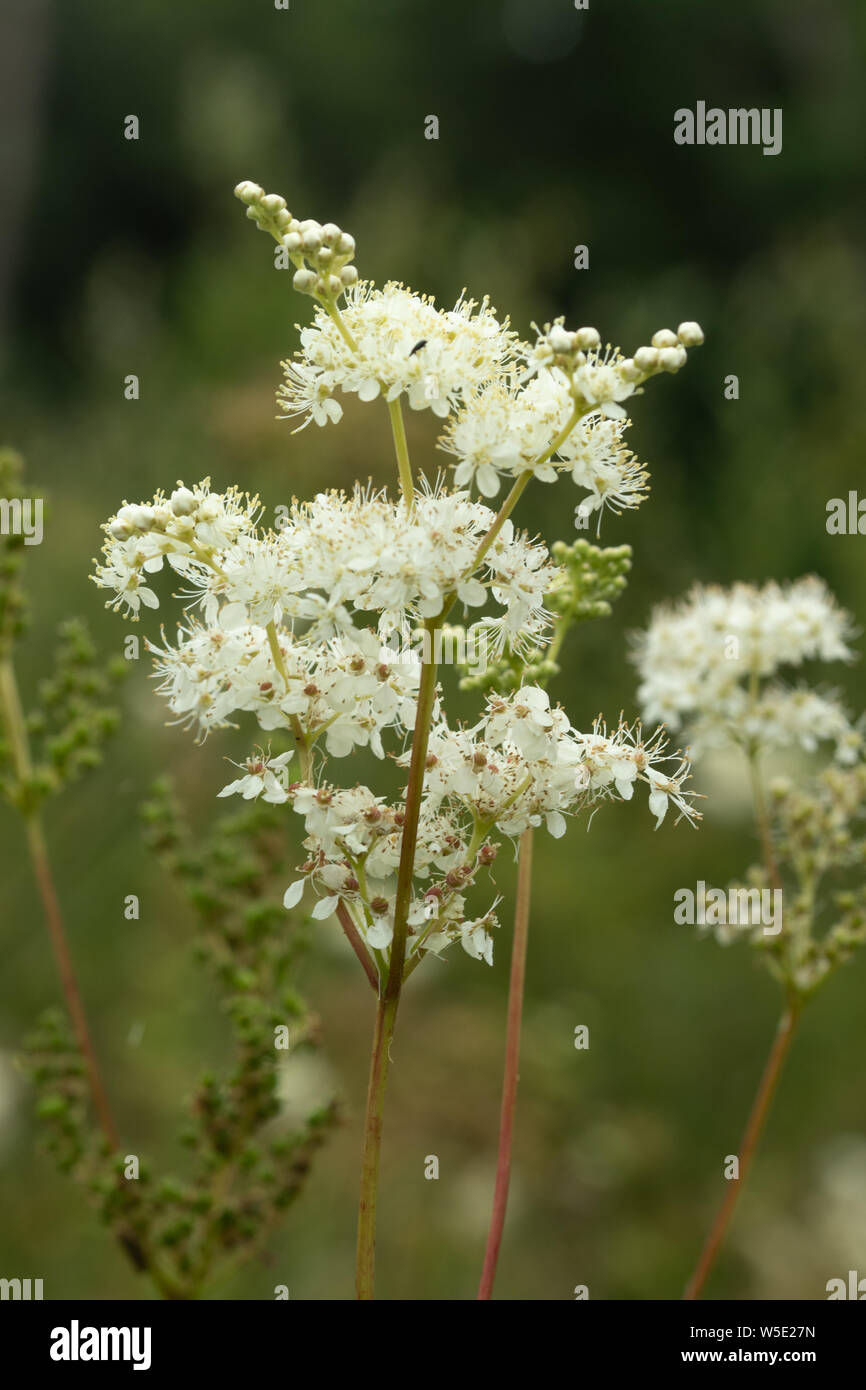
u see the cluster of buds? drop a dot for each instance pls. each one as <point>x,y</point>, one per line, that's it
<point>137,518</point>
<point>668,350</point>
<point>603,377</point>
<point>320,252</point>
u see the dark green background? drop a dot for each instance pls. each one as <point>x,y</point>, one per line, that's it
<point>116,257</point>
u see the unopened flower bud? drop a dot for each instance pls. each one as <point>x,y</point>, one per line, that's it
<point>272,203</point>
<point>330,233</point>
<point>292,242</point>
<point>140,518</point>
<point>348,276</point>
<point>672,358</point>
<point>587,338</point>
<point>560,340</point>
<point>304,281</point>
<point>690,334</point>
<point>664,338</point>
<point>249,192</point>
<point>346,244</point>
<point>647,358</point>
<point>183,501</point>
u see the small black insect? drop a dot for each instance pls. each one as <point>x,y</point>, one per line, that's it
<point>418,346</point>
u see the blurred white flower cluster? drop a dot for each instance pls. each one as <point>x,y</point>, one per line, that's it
<point>712,663</point>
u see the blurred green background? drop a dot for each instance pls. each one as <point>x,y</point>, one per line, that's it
<point>117,257</point>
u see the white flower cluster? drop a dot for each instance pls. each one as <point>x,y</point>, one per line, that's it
<point>522,765</point>
<point>183,529</point>
<point>390,343</point>
<point>562,409</point>
<point>711,662</point>
<point>336,557</point>
<point>354,840</point>
<point>347,690</point>
<point>292,625</point>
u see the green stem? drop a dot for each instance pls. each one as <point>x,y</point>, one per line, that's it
<point>409,841</point>
<point>386,1014</point>
<point>331,309</point>
<point>401,449</point>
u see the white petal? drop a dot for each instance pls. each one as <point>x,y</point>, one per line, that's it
<point>294,893</point>
<point>556,824</point>
<point>325,907</point>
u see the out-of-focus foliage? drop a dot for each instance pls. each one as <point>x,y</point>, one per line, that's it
<point>131,257</point>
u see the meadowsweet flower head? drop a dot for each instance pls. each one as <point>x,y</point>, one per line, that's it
<point>394,343</point>
<point>601,378</point>
<point>713,662</point>
<point>184,530</point>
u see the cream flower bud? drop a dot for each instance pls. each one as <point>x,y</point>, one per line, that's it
<point>647,358</point>
<point>346,244</point>
<point>324,258</point>
<point>120,528</point>
<point>664,339</point>
<point>183,501</point>
<point>330,233</point>
<point>690,334</point>
<point>560,340</point>
<point>272,202</point>
<point>140,518</point>
<point>672,358</point>
<point>292,242</point>
<point>305,281</point>
<point>629,370</point>
<point>588,338</point>
<point>311,239</point>
<point>333,285</point>
<point>249,192</point>
<point>348,276</point>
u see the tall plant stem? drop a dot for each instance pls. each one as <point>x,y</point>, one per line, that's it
<point>389,1000</point>
<point>512,1063</point>
<point>758,1114</point>
<point>380,1059</point>
<point>401,449</point>
<point>16,732</point>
